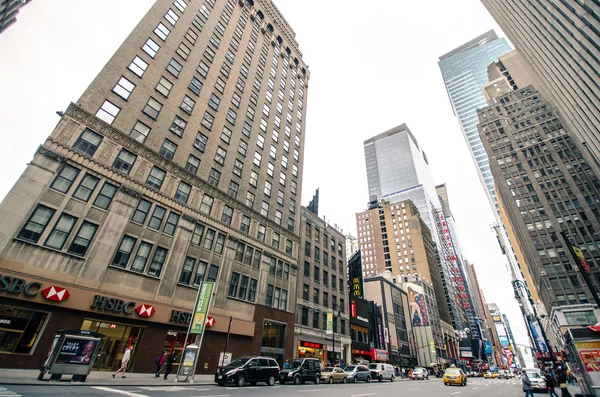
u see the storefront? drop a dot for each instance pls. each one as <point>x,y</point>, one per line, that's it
<point>306,349</point>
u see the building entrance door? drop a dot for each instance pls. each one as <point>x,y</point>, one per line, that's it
<point>116,338</point>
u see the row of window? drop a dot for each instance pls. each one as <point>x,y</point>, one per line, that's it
<point>325,296</point>
<point>323,325</point>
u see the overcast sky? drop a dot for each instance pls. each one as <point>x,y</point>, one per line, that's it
<point>373,66</point>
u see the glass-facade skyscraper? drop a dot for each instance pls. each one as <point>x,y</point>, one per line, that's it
<point>464,71</point>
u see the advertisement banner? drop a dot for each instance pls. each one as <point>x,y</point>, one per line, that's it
<point>201,308</point>
<point>579,255</point>
<point>503,341</point>
<point>488,347</point>
<point>418,307</point>
<point>329,323</point>
<point>77,351</point>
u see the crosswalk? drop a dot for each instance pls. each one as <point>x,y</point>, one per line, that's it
<point>4,392</point>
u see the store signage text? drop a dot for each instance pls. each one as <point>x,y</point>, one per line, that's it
<point>311,345</point>
<point>16,285</point>
<point>180,317</point>
<point>366,320</point>
<point>112,305</point>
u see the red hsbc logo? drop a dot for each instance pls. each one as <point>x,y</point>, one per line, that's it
<point>57,294</point>
<point>145,310</point>
<point>210,321</point>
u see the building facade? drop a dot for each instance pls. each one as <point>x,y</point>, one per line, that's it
<point>547,187</point>
<point>322,289</point>
<point>9,10</point>
<point>560,40</point>
<point>181,163</point>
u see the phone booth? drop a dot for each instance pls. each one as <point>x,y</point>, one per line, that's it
<point>72,352</point>
<point>186,369</point>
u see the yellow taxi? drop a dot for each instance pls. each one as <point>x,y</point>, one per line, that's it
<point>454,376</point>
<point>490,375</point>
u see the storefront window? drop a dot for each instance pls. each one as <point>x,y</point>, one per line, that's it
<point>273,340</point>
<point>116,338</point>
<point>20,329</point>
<point>174,343</point>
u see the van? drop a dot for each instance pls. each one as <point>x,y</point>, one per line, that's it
<point>301,370</point>
<point>248,370</point>
<point>382,372</point>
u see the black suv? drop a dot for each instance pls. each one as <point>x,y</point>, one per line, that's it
<point>301,370</point>
<point>248,370</point>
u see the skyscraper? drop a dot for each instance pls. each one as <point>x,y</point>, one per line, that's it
<point>560,41</point>
<point>9,9</point>
<point>180,163</point>
<point>464,71</point>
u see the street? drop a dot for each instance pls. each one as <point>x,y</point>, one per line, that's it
<point>428,388</point>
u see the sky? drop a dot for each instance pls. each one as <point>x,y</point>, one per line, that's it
<point>373,66</point>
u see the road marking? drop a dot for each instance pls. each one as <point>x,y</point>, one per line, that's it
<point>117,391</point>
<point>416,388</point>
<point>309,391</point>
<point>456,392</point>
<point>366,394</point>
<point>475,388</point>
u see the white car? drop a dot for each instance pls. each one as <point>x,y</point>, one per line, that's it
<point>382,372</point>
<point>538,382</point>
<point>420,374</point>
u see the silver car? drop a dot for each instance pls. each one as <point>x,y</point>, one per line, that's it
<point>356,373</point>
<point>420,374</point>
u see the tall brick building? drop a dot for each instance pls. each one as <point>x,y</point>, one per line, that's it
<point>180,163</point>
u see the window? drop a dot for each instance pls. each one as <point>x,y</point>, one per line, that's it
<point>280,197</point>
<point>162,31</point>
<point>220,85</point>
<point>214,177</point>
<point>195,86</point>
<point>124,161</point>
<point>291,224</point>
<point>183,51</point>
<point>283,302</point>
<point>187,105</point>
<point>141,257</point>
<point>168,149</point>
<point>156,178</point>
<point>157,217</point>
<point>292,206</point>
<point>140,132</point>
<point>214,101</point>
<point>105,196</point>
<point>264,211</point>
<point>252,290</point>
<point>160,254</point>
<point>36,224</point>
<point>208,120</point>
<point>141,212</point>
<point>250,199</point>
<point>83,239</point>
<point>108,111</point>
<point>268,188</point>
<point>151,48</point>
<point>227,215</point>
<point>257,159</point>
<point>245,225</point>
<point>124,88</point>
<point>220,243</point>
<point>183,192</point>
<point>278,217</point>
<point>124,252</point>
<point>238,168</point>
<point>220,155</point>
<point>178,126</point>
<point>192,164</point>
<point>231,115</point>
<point>233,284</point>
<point>225,70</point>
<point>233,189</point>
<point>288,247</point>
<point>65,179</point>
<point>215,41</point>
<point>282,178</point>
<point>275,237</point>
<point>88,142</point>
<point>209,239</point>
<point>172,17</point>
<point>171,224</point>
<point>212,273</point>
<point>276,297</point>
<point>269,297</point>
<point>86,187</point>
<point>262,231</point>
<point>200,141</point>
<point>206,205</point>
<point>286,271</point>
<point>202,69</point>
<point>197,234</point>
<point>138,66</point>
<point>260,141</point>
<point>174,67</point>
<point>186,272</point>
<point>152,108</point>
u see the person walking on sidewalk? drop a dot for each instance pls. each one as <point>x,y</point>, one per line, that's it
<point>527,385</point>
<point>124,361</point>
<point>160,360</point>
<point>550,384</point>
<point>171,358</point>
<point>561,376</point>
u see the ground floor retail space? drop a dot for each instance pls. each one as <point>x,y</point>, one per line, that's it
<point>327,353</point>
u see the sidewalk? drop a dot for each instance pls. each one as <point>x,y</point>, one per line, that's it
<point>96,378</point>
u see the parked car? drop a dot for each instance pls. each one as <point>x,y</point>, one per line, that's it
<point>382,372</point>
<point>333,374</point>
<point>538,382</point>
<point>248,370</point>
<point>420,373</point>
<point>356,373</point>
<point>454,376</point>
<point>301,370</point>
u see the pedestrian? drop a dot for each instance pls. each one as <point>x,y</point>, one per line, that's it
<point>286,365</point>
<point>561,376</point>
<point>550,384</point>
<point>171,358</point>
<point>124,361</point>
<point>527,385</point>
<point>159,361</point>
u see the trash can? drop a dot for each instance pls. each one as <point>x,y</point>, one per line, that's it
<point>72,352</point>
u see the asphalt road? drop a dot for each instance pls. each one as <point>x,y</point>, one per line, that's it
<point>428,388</point>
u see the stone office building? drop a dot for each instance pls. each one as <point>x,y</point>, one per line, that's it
<point>180,163</point>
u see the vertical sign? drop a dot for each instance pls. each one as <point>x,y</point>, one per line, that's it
<point>329,323</point>
<point>581,258</point>
<point>201,308</point>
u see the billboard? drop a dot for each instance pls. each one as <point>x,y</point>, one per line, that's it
<point>76,350</point>
<point>355,276</point>
<point>418,306</point>
<point>201,308</point>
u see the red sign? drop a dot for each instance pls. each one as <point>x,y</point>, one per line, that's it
<point>57,294</point>
<point>210,321</point>
<point>353,309</point>
<point>145,310</point>
<point>311,345</point>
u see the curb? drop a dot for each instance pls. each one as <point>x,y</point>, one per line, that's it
<point>89,384</point>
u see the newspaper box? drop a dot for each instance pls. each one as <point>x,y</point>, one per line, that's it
<point>73,352</point>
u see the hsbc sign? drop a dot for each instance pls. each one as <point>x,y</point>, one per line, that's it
<point>108,304</point>
<point>19,286</point>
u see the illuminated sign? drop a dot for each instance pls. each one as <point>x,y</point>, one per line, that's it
<point>311,345</point>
